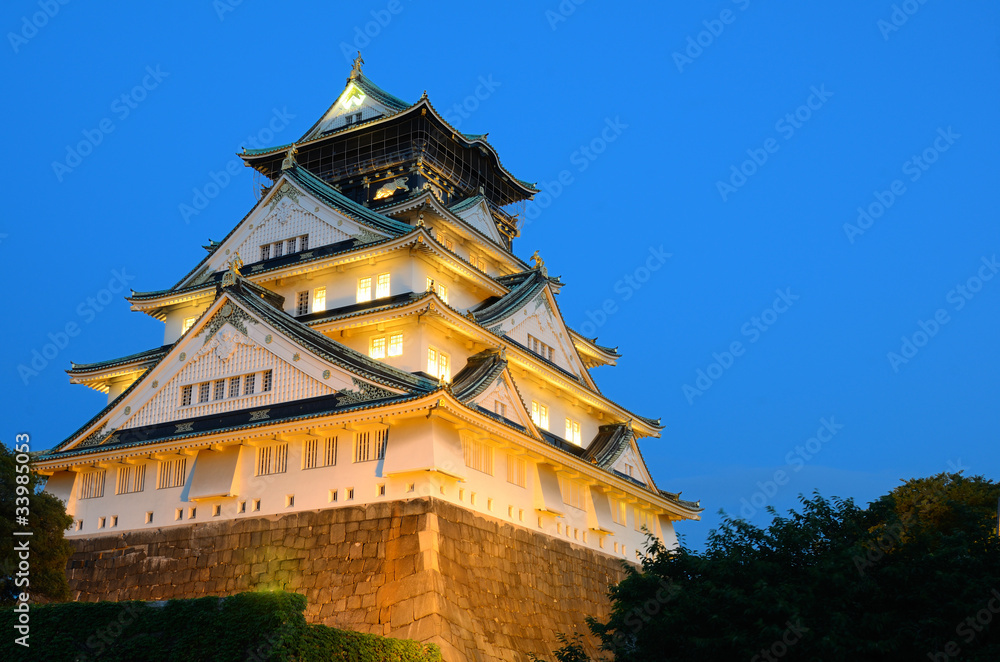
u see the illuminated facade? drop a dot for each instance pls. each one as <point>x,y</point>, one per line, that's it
<point>365,333</point>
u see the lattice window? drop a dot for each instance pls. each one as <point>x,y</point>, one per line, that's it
<point>310,454</point>
<point>500,408</point>
<point>291,245</point>
<point>319,453</point>
<point>171,473</point>
<point>203,391</point>
<point>376,348</point>
<point>516,470</point>
<point>370,445</point>
<point>186,395</point>
<point>382,286</point>
<point>248,383</point>
<point>265,252</point>
<point>279,248</point>
<point>266,381</point>
<point>540,415</point>
<point>234,387</point>
<point>572,492</point>
<point>220,389</point>
<point>478,455</point>
<point>540,348</point>
<point>438,364</point>
<point>330,451</point>
<point>131,479</point>
<point>272,459</point>
<point>573,431</point>
<point>304,242</point>
<point>302,303</point>
<point>319,299</point>
<point>364,290</point>
<point>440,289</point>
<point>644,519</point>
<point>619,512</point>
<point>188,323</point>
<point>92,484</point>
<point>396,344</point>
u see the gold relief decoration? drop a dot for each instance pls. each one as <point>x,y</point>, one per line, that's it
<point>326,374</point>
<point>268,339</point>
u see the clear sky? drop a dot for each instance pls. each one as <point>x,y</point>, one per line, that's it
<point>813,181</point>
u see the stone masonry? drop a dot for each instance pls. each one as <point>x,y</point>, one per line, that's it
<point>483,589</point>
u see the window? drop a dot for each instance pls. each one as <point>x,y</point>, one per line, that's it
<point>516,470</point>
<point>573,431</point>
<point>220,389</point>
<point>291,245</point>
<point>185,396</point>
<point>216,510</point>
<point>114,521</point>
<point>370,445</point>
<point>644,520</point>
<point>440,289</point>
<point>188,323</point>
<point>540,415</point>
<point>234,387</point>
<point>319,299</point>
<point>619,512</point>
<point>248,384</point>
<point>79,525</point>
<point>241,507</point>
<point>256,505</point>
<point>279,248</point>
<point>438,364</point>
<point>332,496</point>
<point>203,392</point>
<point>284,247</point>
<point>171,473</point>
<point>272,459</point>
<point>289,500</point>
<point>131,479</point>
<point>364,289</point>
<point>396,344</point>
<point>149,517</point>
<point>572,492</point>
<point>316,454</point>
<point>382,287</point>
<point>178,514</point>
<point>302,303</point>
<point>376,348</point>
<point>265,252</point>
<point>540,348</point>
<point>500,408</point>
<point>478,454</point>
<point>304,242</point>
<point>92,484</point>
<point>350,493</point>
<point>478,261</point>
<point>192,512</point>
<point>449,244</point>
<point>381,490</point>
<point>266,381</point>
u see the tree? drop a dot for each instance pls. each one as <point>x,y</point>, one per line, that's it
<point>914,576</point>
<point>48,550</point>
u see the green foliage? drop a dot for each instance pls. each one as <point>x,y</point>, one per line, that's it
<point>917,570</point>
<point>48,548</point>
<point>253,627</point>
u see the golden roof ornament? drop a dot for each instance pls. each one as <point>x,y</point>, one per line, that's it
<point>289,160</point>
<point>229,278</point>
<point>356,69</point>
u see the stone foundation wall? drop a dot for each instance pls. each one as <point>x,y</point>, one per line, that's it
<point>423,569</point>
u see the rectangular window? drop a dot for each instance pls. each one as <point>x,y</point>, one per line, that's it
<point>171,473</point>
<point>114,521</point>
<point>216,510</point>
<point>265,252</point>
<point>438,364</point>
<point>572,492</point>
<point>500,408</point>
<point>291,245</point>
<point>188,323</point>
<point>131,479</point>
<point>304,242</point>
<point>516,470</point>
<point>332,496</point>
<point>370,445</point>
<point>573,431</point>
<point>256,505</point>
<point>241,507</point>
<point>186,395</point>
<point>302,303</point>
<point>440,289</point>
<point>540,348</point>
<point>248,384</point>
<point>277,248</point>
<point>310,452</point>
<point>149,517</point>
<point>192,512</point>
<point>272,459</point>
<point>266,381</point>
<point>644,520</point>
<point>396,344</point>
<point>619,512</point>
<point>330,451</point>
<point>92,484</point>
<point>478,455</point>
<point>376,348</point>
<point>203,391</point>
<point>449,244</point>
<point>382,288</point>
<point>364,290</point>
<point>540,415</point>
<point>234,387</point>
<point>220,389</point>
<point>319,299</point>
<point>350,492</point>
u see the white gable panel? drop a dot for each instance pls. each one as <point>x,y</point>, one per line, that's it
<point>228,354</point>
<point>287,219</point>
<point>631,465</point>
<point>538,320</point>
<point>500,392</point>
<point>352,102</point>
<point>479,217</point>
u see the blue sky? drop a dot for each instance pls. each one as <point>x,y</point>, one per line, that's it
<point>704,165</point>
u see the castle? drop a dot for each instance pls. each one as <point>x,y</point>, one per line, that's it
<point>363,366</point>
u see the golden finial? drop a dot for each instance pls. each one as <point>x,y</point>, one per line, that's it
<point>289,160</point>
<point>229,278</point>
<point>539,262</point>
<point>356,69</point>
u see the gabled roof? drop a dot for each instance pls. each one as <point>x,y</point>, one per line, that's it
<point>140,359</point>
<point>523,287</point>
